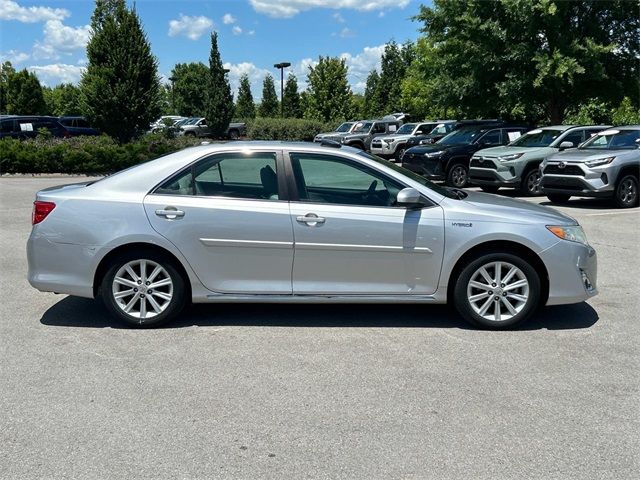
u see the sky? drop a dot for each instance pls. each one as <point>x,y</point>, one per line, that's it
<point>48,37</point>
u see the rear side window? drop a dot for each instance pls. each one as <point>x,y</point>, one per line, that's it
<point>232,175</point>
<point>81,123</point>
<point>6,126</point>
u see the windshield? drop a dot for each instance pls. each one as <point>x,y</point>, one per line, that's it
<point>407,128</point>
<point>345,127</point>
<point>191,121</point>
<point>536,138</point>
<point>613,140</point>
<point>462,136</point>
<point>408,173</point>
<point>362,127</point>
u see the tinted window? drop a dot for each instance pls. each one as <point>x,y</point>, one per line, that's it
<point>228,175</point>
<point>492,137</point>
<point>328,179</point>
<point>67,122</point>
<point>81,123</point>
<point>6,126</point>
<point>576,137</point>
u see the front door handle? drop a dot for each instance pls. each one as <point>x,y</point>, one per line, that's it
<point>170,213</point>
<point>310,219</point>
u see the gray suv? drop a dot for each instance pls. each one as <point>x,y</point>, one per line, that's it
<point>364,131</point>
<point>393,145</point>
<point>517,165</point>
<point>607,165</point>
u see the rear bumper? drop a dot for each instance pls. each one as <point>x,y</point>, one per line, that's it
<point>573,272</point>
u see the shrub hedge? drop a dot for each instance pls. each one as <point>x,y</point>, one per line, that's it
<point>286,129</point>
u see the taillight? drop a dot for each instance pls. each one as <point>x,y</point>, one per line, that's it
<point>40,211</point>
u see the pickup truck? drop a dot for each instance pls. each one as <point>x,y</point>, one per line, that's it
<point>198,127</point>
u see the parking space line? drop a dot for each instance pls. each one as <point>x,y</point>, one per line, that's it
<point>609,213</point>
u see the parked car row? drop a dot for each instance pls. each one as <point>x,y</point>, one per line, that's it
<point>27,126</point>
<point>195,127</point>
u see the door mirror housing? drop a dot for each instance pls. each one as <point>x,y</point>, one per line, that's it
<point>410,197</point>
<point>564,145</point>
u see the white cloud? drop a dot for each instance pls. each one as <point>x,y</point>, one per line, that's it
<point>190,27</point>
<point>251,32</point>
<point>228,19</point>
<point>361,64</point>
<point>236,30</point>
<point>59,38</point>
<point>10,10</point>
<point>54,74</point>
<point>344,33</point>
<point>256,76</point>
<point>338,18</point>
<point>290,8</point>
<point>14,57</point>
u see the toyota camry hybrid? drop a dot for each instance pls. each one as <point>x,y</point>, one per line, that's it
<point>307,223</point>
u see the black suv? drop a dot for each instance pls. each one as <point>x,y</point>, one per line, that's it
<point>22,127</point>
<point>78,126</point>
<point>448,159</point>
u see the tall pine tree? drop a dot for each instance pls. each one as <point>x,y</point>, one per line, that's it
<point>120,87</point>
<point>219,104</point>
<point>269,107</point>
<point>291,98</point>
<point>245,107</point>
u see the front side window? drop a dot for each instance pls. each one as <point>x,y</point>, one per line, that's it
<point>575,137</point>
<point>491,138</point>
<point>463,136</point>
<point>537,138</point>
<point>328,179</point>
<point>233,175</point>
<point>362,127</point>
<point>407,129</point>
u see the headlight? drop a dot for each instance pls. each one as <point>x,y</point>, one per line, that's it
<point>573,233</point>
<point>599,162</point>
<point>388,142</point>
<point>507,158</point>
<point>434,154</point>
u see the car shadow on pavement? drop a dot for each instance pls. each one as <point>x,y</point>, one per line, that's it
<point>82,312</point>
<point>574,202</point>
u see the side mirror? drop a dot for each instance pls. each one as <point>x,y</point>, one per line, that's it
<point>564,145</point>
<point>409,197</point>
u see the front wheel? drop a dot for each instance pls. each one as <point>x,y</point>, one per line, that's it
<point>627,192</point>
<point>143,289</point>
<point>458,176</point>
<point>531,183</point>
<point>497,290</point>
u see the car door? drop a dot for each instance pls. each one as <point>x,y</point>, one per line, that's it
<point>351,239</point>
<point>229,216</point>
<point>203,128</point>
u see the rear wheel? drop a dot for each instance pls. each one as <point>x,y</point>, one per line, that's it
<point>497,290</point>
<point>531,183</point>
<point>627,192</point>
<point>458,176</point>
<point>489,189</point>
<point>558,197</point>
<point>143,289</point>
<point>234,134</point>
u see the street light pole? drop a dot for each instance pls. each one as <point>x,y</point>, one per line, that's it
<point>281,66</point>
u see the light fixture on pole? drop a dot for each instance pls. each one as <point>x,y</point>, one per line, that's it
<point>281,66</point>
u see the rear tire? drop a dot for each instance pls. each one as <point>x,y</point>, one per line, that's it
<point>530,186</point>
<point>143,289</point>
<point>497,291</point>
<point>558,197</point>
<point>626,195</point>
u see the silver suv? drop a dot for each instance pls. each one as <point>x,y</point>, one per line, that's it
<point>517,165</point>
<point>393,145</point>
<point>607,165</point>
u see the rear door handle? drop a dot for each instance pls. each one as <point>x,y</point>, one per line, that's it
<point>310,219</point>
<point>170,213</point>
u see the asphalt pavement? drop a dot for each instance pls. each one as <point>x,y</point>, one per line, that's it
<point>316,391</point>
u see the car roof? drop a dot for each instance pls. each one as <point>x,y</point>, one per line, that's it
<point>567,127</point>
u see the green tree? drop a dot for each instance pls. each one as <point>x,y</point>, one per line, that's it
<point>6,70</point>
<point>627,113</point>
<point>529,60</point>
<point>394,63</point>
<point>187,92</point>
<point>329,93</point>
<point>245,106</point>
<point>63,99</point>
<point>120,86</point>
<point>269,106</point>
<point>24,94</point>
<point>219,104</point>
<point>370,105</point>
<point>291,98</point>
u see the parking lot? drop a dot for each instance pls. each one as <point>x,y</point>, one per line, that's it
<point>303,391</point>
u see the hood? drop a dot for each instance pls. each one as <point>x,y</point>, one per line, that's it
<point>331,134</point>
<point>503,208</point>
<point>393,137</point>
<point>507,150</point>
<point>576,155</point>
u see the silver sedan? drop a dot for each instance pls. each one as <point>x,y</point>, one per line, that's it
<point>294,222</point>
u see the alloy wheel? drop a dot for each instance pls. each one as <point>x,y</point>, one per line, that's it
<point>628,192</point>
<point>533,183</point>
<point>497,291</point>
<point>459,176</point>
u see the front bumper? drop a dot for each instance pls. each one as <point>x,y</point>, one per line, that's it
<point>578,180</point>
<point>573,272</point>
<point>430,167</point>
<point>492,172</point>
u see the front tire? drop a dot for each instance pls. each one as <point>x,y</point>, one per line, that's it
<point>143,289</point>
<point>458,176</point>
<point>627,192</point>
<point>531,183</point>
<point>497,291</point>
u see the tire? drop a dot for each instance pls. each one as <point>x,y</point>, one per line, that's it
<point>169,297</point>
<point>458,176</point>
<point>558,197</point>
<point>234,134</point>
<point>189,134</point>
<point>626,195</point>
<point>400,153</point>
<point>489,189</point>
<point>531,186</point>
<point>476,301</point>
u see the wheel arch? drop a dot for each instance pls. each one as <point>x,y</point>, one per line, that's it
<point>105,262</point>
<point>500,246</point>
<point>628,170</point>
